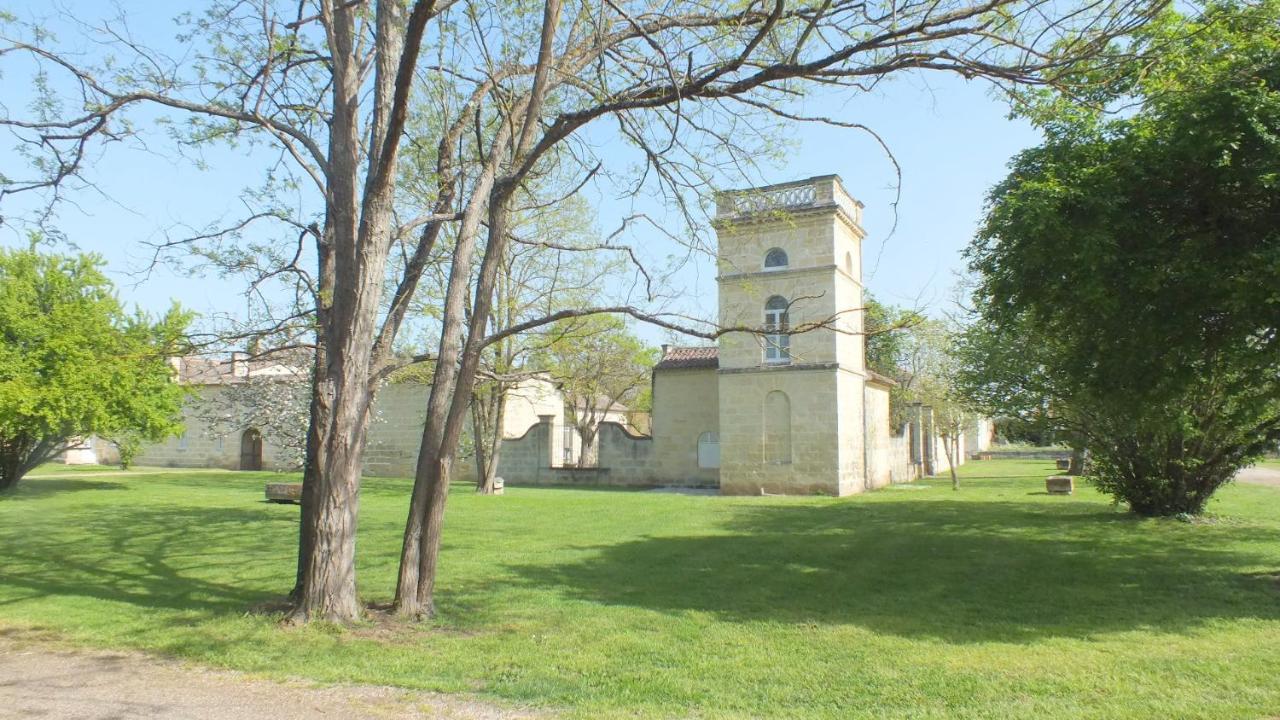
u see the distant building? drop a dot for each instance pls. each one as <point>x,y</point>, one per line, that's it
<point>784,404</point>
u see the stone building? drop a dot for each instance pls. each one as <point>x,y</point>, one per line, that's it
<point>785,403</point>
<point>257,438</point>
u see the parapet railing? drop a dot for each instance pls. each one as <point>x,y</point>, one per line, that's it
<point>823,191</point>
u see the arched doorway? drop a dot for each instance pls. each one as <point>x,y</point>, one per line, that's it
<point>251,450</point>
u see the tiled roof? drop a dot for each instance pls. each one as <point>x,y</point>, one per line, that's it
<point>282,365</point>
<point>874,376</point>
<point>689,357</point>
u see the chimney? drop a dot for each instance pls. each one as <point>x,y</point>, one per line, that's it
<point>239,364</point>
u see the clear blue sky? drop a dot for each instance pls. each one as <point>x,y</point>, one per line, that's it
<point>951,138</point>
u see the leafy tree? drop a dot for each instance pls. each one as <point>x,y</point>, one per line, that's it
<point>73,363</point>
<point>597,362</point>
<point>888,331</point>
<point>933,367</point>
<point>1130,266</point>
<point>664,101</point>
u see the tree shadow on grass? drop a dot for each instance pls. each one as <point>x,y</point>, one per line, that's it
<point>33,487</point>
<point>954,571</point>
<point>202,559</point>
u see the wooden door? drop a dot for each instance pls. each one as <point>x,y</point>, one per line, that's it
<point>251,450</point>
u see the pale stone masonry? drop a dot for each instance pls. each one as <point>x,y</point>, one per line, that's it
<point>784,404</point>
<point>796,420</point>
<point>766,411</point>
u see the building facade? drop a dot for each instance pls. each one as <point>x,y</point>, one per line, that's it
<point>784,404</point>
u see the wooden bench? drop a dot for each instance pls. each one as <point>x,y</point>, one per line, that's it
<point>284,493</point>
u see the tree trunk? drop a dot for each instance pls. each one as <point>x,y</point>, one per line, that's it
<point>9,470</point>
<point>311,471</point>
<point>359,227</point>
<point>434,477</point>
<point>951,448</point>
<point>589,434</point>
<point>488,434</point>
<point>319,418</point>
<point>1076,466</point>
<point>430,482</point>
<point>16,460</point>
<point>434,457</point>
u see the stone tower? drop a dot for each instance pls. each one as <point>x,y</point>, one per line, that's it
<point>791,405</point>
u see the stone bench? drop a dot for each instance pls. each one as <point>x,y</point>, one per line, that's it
<point>284,493</point>
<point>1059,485</point>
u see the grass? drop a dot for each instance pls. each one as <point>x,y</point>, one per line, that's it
<point>996,601</point>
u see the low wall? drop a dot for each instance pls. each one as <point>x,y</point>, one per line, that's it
<point>624,460</point>
<point>1063,454</point>
<point>897,453</point>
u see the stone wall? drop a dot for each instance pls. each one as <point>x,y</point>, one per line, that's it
<point>749,461</point>
<point>880,450</point>
<point>391,448</point>
<point>625,460</point>
<point>198,446</point>
<point>686,404</point>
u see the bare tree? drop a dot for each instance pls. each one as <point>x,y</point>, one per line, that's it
<point>551,263</point>
<point>328,85</point>
<point>676,83</point>
<point>692,91</point>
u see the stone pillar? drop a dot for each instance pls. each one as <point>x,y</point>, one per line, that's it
<point>929,434</point>
<point>547,455</point>
<point>917,437</point>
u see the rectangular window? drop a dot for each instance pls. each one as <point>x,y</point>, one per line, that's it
<point>777,349</point>
<point>182,441</point>
<point>777,345</point>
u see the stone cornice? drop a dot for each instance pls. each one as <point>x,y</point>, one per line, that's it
<point>783,214</point>
<point>789,272</point>
<point>780,367</point>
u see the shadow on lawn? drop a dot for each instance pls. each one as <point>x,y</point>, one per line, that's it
<point>208,559</point>
<point>951,570</point>
<point>36,486</point>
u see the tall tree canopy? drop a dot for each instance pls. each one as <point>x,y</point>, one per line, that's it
<point>597,362</point>
<point>1130,266</point>
<point>485,98</point>
<point>73,363</point>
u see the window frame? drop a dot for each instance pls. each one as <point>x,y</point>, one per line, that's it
<point>777,345</point>
<point>786,260</point>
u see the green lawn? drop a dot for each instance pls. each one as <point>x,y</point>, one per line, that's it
<point>993,602</point>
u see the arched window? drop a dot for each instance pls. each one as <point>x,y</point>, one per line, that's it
<point>777,428</point>
<point>777,320</point>
<point>848,263</point>
<point>709,450</point>
<point>775,259</point>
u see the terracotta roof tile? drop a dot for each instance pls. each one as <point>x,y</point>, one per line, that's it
<point>689,357</point>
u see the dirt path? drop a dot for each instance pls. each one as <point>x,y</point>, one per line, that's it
<point>40,680</point>
<point>1259,476</point>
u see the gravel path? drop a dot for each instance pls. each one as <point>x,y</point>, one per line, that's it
<point>1259,476</point>
<point>43,680</point>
